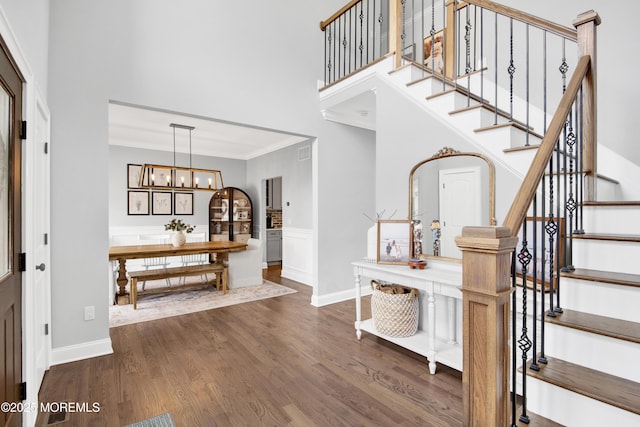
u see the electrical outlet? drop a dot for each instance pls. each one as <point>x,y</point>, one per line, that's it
<point>89,312</point>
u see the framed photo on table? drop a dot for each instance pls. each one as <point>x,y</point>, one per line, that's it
<point>183,203</point>
<point>161,203</point>
<point>137,202</point>
<point>394,241</point>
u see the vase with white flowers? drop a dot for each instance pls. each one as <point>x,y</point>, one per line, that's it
<point>178,239</point>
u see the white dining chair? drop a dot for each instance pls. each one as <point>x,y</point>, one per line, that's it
<point>156,262</point>
<point>195,259</point>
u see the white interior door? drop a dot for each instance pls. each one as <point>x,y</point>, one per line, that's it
<point>41,255</point>
<point>460,205</point>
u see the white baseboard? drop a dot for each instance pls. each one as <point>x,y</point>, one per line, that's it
<point>82,351</point>
<point>319,301</point>
<point>298,275</point>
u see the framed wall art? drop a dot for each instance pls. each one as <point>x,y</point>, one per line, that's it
<point>133,176</point>
<point>183,203</point>
<point>161,203</point>
<point>137,202</point>
<point>394,241</point>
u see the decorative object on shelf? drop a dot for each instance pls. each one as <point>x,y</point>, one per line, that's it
<point>178,238</point>
<point>394,309</point>
<point>394,241</point>
<point>435,229</point>
<point>416,229</point>
<point>419,264</point>
<point>165,177</point>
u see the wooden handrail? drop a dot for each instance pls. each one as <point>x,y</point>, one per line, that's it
<point>521,204</point>
<point>527,18</point>
<point>325,24</point>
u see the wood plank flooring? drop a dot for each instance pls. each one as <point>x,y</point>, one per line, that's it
<point>275,362</point>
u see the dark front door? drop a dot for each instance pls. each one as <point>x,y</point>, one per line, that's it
<point>10,240</point>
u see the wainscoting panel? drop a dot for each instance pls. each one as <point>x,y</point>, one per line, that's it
<point>297,254</point>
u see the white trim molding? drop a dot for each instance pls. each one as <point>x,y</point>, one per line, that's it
<point>335,297</point>
<point>82,351</point>
<point>297,254</point>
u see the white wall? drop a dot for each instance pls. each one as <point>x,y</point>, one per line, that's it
<point>29,20</point>
<point>346,188</point>
<point>252,62</point>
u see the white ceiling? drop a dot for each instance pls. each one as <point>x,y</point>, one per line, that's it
<point>148,128</point>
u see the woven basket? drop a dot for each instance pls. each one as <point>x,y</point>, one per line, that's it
<point>395,315</point>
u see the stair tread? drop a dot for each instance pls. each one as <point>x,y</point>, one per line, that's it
<point>605,236</point>
<point>604,276</point>
<point>601,325</point>
<point>609,389</point>
<point>613,203</point>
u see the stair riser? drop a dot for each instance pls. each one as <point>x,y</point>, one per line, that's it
<point>427,87</point>
<point>572,409</point>
<point>448,102</point>
<point>477,118</point>
<point>603,299</point>
<point>604,255</point>
<point>609,355</point>
<point>612,219</point>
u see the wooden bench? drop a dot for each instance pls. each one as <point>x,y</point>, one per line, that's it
<point>166,273</point>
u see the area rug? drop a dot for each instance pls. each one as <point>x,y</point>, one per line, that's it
<point>163,420</point>
<point>178,302</point>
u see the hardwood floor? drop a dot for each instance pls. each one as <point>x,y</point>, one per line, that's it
<point>276,362</point>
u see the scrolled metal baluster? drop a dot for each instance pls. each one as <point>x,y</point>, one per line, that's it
<point>524,343</point>
<point>467,69</point>
<point>552,229</point>
<point>403,36</point>
<point>511,69</point>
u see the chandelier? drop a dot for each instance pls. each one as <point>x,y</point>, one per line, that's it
<point>172,177</point>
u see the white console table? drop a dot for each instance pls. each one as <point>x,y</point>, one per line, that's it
<point>433,280</point>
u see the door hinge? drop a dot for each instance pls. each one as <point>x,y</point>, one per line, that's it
<point>23,391</point>
<point>46,238</point>
<point>46,329</point>
<point>22,262</point>
<point>23,130</point>
<point>46,148</point>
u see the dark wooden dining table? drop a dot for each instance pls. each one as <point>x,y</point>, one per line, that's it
<point>121,254</point>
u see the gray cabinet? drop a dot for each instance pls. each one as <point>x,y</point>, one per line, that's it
<point>274,245</point>
<point>274,193</point>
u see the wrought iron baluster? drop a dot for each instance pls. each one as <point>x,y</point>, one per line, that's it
<point>511,69</point>
<point>482,55</point>
<point>542,358</point>
<point>552,229</point>
<point>526,143</point>
<point>361,45</point>
<point>570,205</point>
<point>495,71</point>
<point>344,44</point>
<point>534,310</point>
<point>467,42</point>
<point>403,36</point>
<point>381,21</point>
<point>580,168</point>
<point>524,343</point>
<point>559,207</point>
<point>514,354</point>
<point>330,64</point>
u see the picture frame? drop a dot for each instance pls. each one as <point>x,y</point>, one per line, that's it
<point>182,178</point>
<point>160,177</point>
<point>133,176</point>
<point>161,203</point>
<point>558,255</point>
<point>183,203</point>
<point>394,241</point>
<point>137,202</point>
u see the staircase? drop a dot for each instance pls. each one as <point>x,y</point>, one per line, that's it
<point>592,345</point>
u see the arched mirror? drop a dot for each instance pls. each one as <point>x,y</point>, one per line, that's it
<point>448,191</point>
